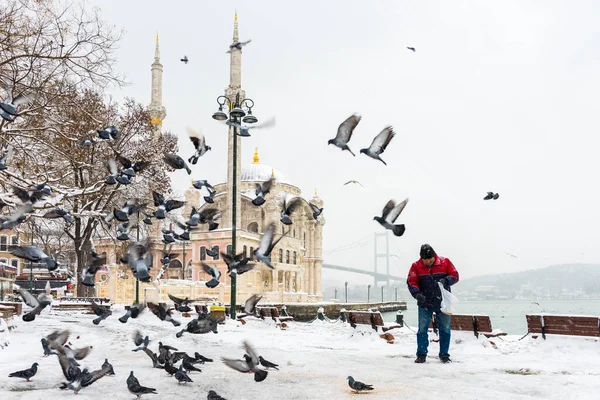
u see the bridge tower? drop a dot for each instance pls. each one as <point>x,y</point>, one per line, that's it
<point>385,255</point>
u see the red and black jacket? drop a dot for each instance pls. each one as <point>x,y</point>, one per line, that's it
<point>422,279</point>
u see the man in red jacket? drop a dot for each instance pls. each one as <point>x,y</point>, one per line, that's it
<point>422,281</point>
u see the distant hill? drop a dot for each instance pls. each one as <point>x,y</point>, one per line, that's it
<point>570,280</point>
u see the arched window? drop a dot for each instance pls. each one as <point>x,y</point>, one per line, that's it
<point>245,251</point>
<point>280,255</point>
<point>294,258</point>
<point>217,251</point>
<point>202,253</point>
<point>253,227</point>
<point>230,250</point>
<point>287,256</point>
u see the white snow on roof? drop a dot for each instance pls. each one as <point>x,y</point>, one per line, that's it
<point>261,173</point>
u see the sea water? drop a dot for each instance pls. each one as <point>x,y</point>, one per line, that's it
<point>508,315</point>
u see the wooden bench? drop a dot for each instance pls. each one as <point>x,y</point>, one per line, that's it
<point>571,325</point>
<point>99,300</point>
<point>272,312</point>
<point>374,319</point>
<point>201,308</point>
<point>478,324</point>
<point>17,306</point>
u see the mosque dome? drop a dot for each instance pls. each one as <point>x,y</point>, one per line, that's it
<point>257,172</point>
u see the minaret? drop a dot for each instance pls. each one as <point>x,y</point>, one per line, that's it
<point>156,109</point>
<point>235,87</point>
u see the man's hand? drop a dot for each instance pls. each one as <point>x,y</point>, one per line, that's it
<point>444,283</point>
<point>421,300</point>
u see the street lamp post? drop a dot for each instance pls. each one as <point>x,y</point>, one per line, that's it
<point>236,112</point>
<point>137,238</point>
<point>382,293</point>
<point>346,290</point>
<point>368,293</point>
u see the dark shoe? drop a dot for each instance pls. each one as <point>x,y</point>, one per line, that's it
<point>421,359</point>
<point>446,360</point>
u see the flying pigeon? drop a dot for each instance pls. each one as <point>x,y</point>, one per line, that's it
<point>135,388</point>
<point>212,251</point>
<point>250,363</point>
<point>491,195</point>
<point>180,302</point>
<point>167,256</point>
<point>316,210</point>
<point>379,144</point>
<point>54,340</point>
<point>344,133</point>
<point>87,142</point>
<point>154,358</point>
<point>85,379</point>
<point>109,132</point>
<point>123,230</point>
<point>411,48</point>
<point>101,312</point>
<point>358,386</point>
<point>267,364</point>
<point>194,217</point>
<point>26,373</point>
<point>208,216</point>
<point>139,258</point>
<point>33,194</point>
<point>163,313</point>
<point>211,195</point>
<point>176,162</point>
<point>140,341</point>
<point>38,304</point>
<point>10,105</point>
<point>266,245</point>
<point>184,59</point>
<point>199,142</point>
<point>200,183</point>
<point>262,190</point>
<point>131,168</point>
<point>390,213</point>
<point>288,208</point>
<point>58,213</point>
<point>16,218</point>
<point>238,264</point>
<point>215,274</point>
<point>512,255</point>
<point>238,45</point>
<point>132,312</point>
<point>250,304</point>
<point>129,208</point>
<point>243,130</point>
<point>205,323</point>
<point>354,182</point>
<point>164,206</point>
<point>88,274</point>
<point>113,171</point>
<point>34,254</point>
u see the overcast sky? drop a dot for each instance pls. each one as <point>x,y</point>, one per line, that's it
<point>499,96</point>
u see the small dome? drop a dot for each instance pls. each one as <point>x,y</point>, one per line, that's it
<point>261,173</point>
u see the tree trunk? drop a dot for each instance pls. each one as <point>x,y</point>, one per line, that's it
<point>82,253</point>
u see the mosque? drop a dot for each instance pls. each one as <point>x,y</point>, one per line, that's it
<point>297,258</point>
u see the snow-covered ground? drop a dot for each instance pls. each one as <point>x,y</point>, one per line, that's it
<point>315,360</point>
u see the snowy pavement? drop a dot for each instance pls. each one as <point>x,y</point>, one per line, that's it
<point>315,360</point>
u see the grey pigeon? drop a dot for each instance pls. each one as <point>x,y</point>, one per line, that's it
<point>132,312</point>
<point>261,191</point>
<point>86,379</point>
<point>163,313</point>
<point>211,196</point>
<point>288,208</point>
<point>316,210</point>
<point>200,183</point>
<point>215,274</point>
<point>209,216</point>
<point>411,48</point>
<point>16,218</point>
<point>250,363</point>
<point>179,301</point>
<point>176,162</point>
<point>201,326</point>
<point>108,367</point>
<point>109,132</point>
<point>194,217</point>
<point>58,213</point>
<point>358,386</point>
<point>101,312</point>
<point>164,206</point>
<point>238,45</point>
<point>170,369</point>
<point>37,304</point>
<point>354,182</point>
<point>212,251</point>
<point>182,376</point>
<point>113,171</point>
<point>184,60</point>
<point>390,213</point>
<point>250,304</point>
<point>10,105</point>
<point>167,256</point>
<point>237,264</point>
<point>189,366</point>
<point>200,146</point>
<point>135,388</point>
<point>140,341</point>
<point>344,133</point>
<point>25,373</point>
<point>154,358</point>
<point>87,142</point>
<point>164,352</point>
<point>88,274</point>
<point>139,258</point>
<point>491,195</point>
<point>212,395</point>
<point>6,158</point>
<point>267,364</point>
<point>379,144</point>
<point>200,358</point>
<point>243,130</point>
<point>123,230</point>
<point>266,245</point>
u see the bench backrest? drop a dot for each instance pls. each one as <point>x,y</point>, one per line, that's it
<point>466,322</point>
<point>564,325</point>
<point>364,317</point>
<point>268,312</point>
